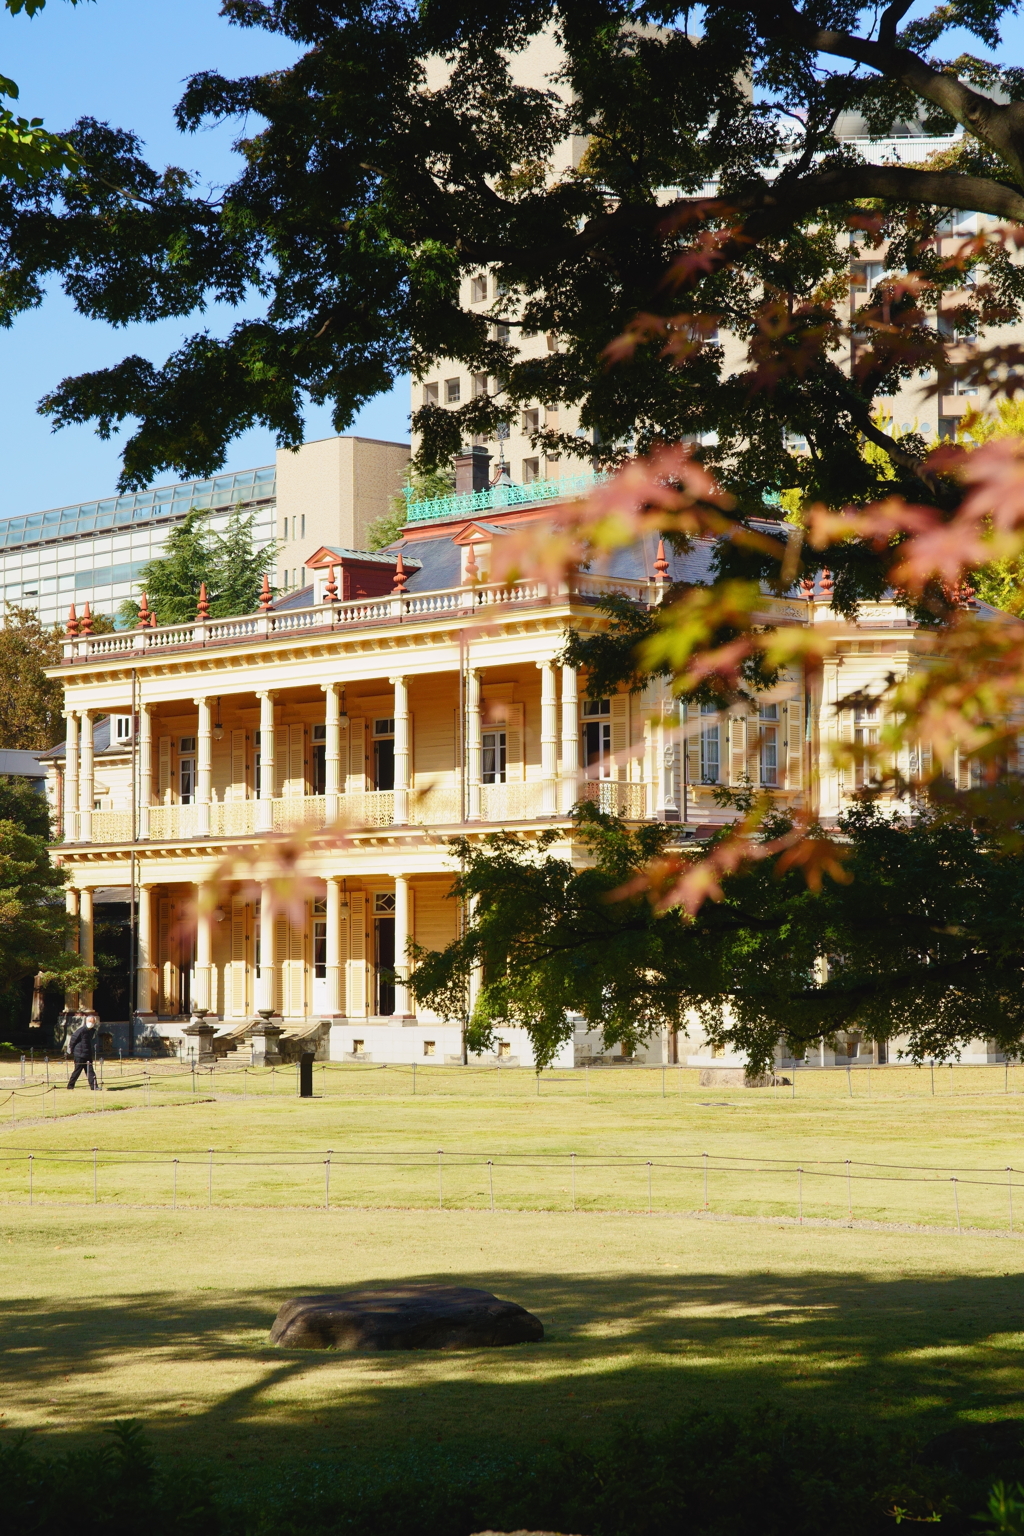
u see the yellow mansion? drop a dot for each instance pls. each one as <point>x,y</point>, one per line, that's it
<point>397,700</point>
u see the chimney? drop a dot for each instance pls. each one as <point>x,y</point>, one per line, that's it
<point>472,471</point>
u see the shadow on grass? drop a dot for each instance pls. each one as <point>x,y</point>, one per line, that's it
<point>913,1351</point>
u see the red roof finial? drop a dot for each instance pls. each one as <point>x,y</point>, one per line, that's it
<point>143,612</point>
<point>331,589</point>
<point>203,607</point>
<point>72,626</point>
<point>807,588</point>
<point>471,569</point>
<point>661,566</point>
<point>87,620</point>
<point>266,596</point>
<point>398,584</point>
<point>827,584</point>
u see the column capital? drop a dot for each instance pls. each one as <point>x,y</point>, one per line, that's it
<point>548,662</point>
<point>330,687</point>
<point>267,693</point>
<point>397,681</point>
<point>204,698</point>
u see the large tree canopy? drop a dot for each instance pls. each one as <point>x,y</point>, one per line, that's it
<point>920,932</point>
<point>372,181</point>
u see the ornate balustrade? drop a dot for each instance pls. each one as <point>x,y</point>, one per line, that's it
<point>326,618</point>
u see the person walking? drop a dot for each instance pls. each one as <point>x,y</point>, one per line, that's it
<point>82,1050</point>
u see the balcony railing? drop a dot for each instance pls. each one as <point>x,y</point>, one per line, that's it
<point>437,805</point>
<point>397,607</point>
<point>437,508</point>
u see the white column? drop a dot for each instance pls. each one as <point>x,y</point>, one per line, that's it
<point>548,738</point>
<point>265,988</point>
<point>332,759</point>
<point>71,780</point>
<point>204,771</point>
<point>473,745</point>
<point>401,750</point>
<point>74,938</point>
<point>145,969</point>
<point>204,947</point>
<point>85,942</point>
<point>265,809</point>
<point>334,948</point>
<point>570,741</point>
<point>145,768</point>
<point>86,783</point>
<point>402,937</point>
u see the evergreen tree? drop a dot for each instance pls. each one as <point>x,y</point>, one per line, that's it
<point>237,567</point>
<point>228,563</point>
<point>31,704</point>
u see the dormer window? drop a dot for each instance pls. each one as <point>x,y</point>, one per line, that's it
<point>121,729</point>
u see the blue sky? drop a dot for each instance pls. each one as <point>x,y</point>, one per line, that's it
<point>124,61</point>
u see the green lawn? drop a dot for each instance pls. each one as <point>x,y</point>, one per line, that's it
<point>130,1308</point>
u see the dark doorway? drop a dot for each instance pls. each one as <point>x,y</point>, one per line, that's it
<point>384,959</point>
<point>113,957</point>
<point>384,763</point>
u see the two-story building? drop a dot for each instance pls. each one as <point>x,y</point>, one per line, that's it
<point>399,699</point>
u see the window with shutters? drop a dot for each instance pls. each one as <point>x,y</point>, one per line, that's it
<point>478,289</point>
<point>452,391</point>
<point>493,757</point>
<point>710,745</point>
<point>597,738</point>
<point>319,743</point>
<point>768,746</point>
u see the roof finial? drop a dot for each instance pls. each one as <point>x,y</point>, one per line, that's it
<point>143,612</point>
<point>203,607</point>
<point>661,565</point>
<point>266,596</point>
<point>807,588</point>
<point>331,589</point>
<point>398,584</point>
<point>471,567</point>
<point>72,626</point>
<point>87,620</point>
<point>827,584</point>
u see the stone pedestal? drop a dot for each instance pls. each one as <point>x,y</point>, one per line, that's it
<point>265,1043</point>
<point>199,1033</point>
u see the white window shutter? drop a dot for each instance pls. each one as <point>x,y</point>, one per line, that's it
<point>619,704</point>
<point>164,771</point>
<point>515,765</point>
<point>737,738</point>
<point>238,989</point>
<point>356,990</point>
<point>795,744</point>
<point>355,784</point>
<point>239,778</point>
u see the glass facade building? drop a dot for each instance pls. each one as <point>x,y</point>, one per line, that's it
<point>95,551</point>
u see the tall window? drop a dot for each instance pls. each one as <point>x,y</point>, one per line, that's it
<point>122,728</point>
<point>384,754</point>
<point>320,939</point>
<point>493,757</point>
<point>258,769</point>
<point>187,769</point>
<point>769,745</point>
<point>865,734</point>
<point>452,391</point>
<point>319,739</point>
<point>710,746</point>
<point>597,738</point>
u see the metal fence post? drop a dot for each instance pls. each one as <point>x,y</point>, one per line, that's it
<point>849,1191</point>
<point>440,1181</point>
<point>209,1193</point>
<point>650,1196</point>
<point>572,1176</point>
<point>95,1197</point>
<point>705,1157</point>
<point>490,1179</point>
<point>174,1187</point>
<point>800,1195</point>
<point>1009,1191</point>
<point>956,1202</point>
<point>327,1182</point>
<point>30,1158</point>
<point>849,1081</point>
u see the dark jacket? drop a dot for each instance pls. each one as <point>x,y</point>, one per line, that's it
<point>83,1043</point>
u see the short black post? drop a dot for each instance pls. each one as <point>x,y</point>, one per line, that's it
<point>306,1075</point>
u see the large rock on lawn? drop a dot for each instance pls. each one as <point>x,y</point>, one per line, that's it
<point>404,1317</point>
